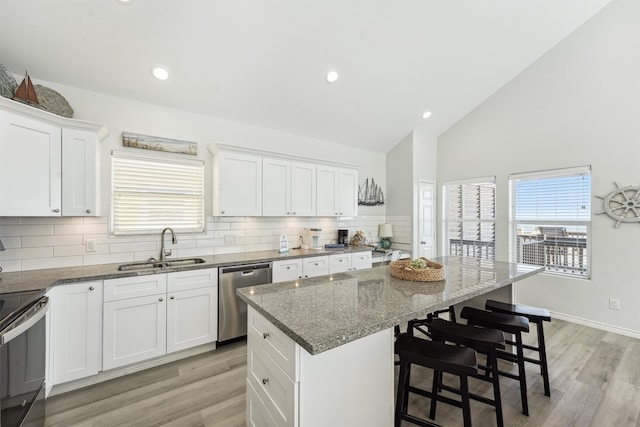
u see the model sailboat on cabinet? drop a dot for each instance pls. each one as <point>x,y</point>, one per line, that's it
<point>26,92</point>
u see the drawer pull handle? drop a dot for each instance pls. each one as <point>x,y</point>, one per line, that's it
<point>265,335</point>
<point>265,381</point>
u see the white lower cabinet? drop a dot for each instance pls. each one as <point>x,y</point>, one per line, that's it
<point>75,331</point>
<point>134,330</point>
<point>339,263</point>
<point>150,316</point>
<point>288,387</point>
<point>299,268</point>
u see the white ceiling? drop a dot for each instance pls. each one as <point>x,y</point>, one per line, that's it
<point>263,62</point>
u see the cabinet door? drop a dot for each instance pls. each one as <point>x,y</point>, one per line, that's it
<point>327,188</point>
<point>76,330</point>
<point>134,330</point>
<point>30,167</point>
<point>237,184</point>
<point>348,192</point>
<point>192,318</point>
<point>315,266</point>
<point>286,270</point>
<point>303,189</point>
<point>79,173</point>
<point>339,263</point>
<point>276,187</point>
<point>361,260</point>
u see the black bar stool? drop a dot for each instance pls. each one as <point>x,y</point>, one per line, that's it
<point>537,316</point>
<point>420,324</point>
<point>440,357</point>
<point>510,324</point>
<point>483,340</point>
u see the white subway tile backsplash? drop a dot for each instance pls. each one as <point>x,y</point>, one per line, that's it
<point>36,243</point>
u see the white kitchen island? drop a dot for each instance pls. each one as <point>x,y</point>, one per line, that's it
<point>320,350</point>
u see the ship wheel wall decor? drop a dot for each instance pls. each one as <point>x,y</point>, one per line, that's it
<point>622,204</point>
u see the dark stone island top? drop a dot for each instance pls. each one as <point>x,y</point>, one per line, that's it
<point>43,279</point>
<point>325,312</point>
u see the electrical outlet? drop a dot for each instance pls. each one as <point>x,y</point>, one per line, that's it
<point>614,304</point>
<point>91,245</point>
<point>229,238</point>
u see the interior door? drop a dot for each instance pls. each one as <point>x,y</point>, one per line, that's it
<point>426,220</point>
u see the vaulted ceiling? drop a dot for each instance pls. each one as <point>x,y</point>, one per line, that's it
<point>264,62</point>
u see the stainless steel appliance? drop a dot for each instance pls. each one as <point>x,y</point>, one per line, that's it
<point>232,311</point>
<point>22,358</point>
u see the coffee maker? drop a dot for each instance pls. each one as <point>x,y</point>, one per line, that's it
<point>343,237</point>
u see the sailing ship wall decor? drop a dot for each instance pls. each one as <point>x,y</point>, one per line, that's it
<point>370,194</point>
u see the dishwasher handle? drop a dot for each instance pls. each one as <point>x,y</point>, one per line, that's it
<point>245,269</point>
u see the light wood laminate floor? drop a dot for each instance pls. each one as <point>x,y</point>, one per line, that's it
<point>595,381</point>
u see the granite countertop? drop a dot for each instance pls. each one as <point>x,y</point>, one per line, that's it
<point>325,312</point>
<point>43,279</point>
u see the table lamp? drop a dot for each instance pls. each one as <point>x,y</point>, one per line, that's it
<point>385,232</point>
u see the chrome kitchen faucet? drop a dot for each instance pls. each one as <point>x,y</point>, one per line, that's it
<point>164,254</point>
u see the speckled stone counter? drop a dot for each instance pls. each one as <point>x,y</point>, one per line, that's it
<point>325,312</point>
<point>43,279</point>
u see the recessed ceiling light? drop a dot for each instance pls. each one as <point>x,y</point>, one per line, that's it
<point>125,2</point>
<point>160,72</point>
<point>426,114</point>
<point>332,76</point>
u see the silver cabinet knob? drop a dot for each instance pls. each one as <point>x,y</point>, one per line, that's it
<point>222,212</point>
<point>172,297</point>
<point>55,210</point>
<point>294,213</point>
<point>160,299</point>
<point>265,381</point>
<point>265,335</point>
<point>91,288</point>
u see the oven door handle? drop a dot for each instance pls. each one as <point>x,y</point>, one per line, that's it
<point>26,321</point>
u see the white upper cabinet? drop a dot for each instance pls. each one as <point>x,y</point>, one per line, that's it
<point>30,167</point>
<point>48,163</point>
<point>303,188</point>
<point>80,169</point>
<point>337,191</point>
<point>250,183</point>
<point>237,184</point>
<point>288,188</point>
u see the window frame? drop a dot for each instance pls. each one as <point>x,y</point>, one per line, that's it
<point>159,164</point>
<point>561,226</point>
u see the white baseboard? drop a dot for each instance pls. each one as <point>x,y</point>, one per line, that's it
<point>597,325</point>
<point>126,370</point>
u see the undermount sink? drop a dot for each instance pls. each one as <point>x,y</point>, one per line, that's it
<point>145,265</point>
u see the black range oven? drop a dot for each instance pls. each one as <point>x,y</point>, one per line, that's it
<point>22,358</point>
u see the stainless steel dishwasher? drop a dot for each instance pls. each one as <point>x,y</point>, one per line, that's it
<point>232,311</point>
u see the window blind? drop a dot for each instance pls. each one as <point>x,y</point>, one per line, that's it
<point>550,219</point>
<point>470,218</point>
<point>153,192</point>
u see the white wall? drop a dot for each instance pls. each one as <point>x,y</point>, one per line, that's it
<point>36,243</point>
<point>579,104</point>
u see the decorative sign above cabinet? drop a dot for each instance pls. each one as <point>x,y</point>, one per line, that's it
<point>156,143</point>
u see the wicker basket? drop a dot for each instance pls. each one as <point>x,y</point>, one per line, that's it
<point>401,270</point>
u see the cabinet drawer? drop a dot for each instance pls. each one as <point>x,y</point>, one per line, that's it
<point>339,263</point>
<point>275,343</point>
<point>316,266</point>
<point>257,413</point>
<point>276,390</point>
<point>193,279</point>
<point>361,260</point>
<point>131,287</point>
<point>287,270</point>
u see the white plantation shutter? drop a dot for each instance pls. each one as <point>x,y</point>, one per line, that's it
<point>551,219</point>
<point>153,192</point>
<point>469,217</point>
